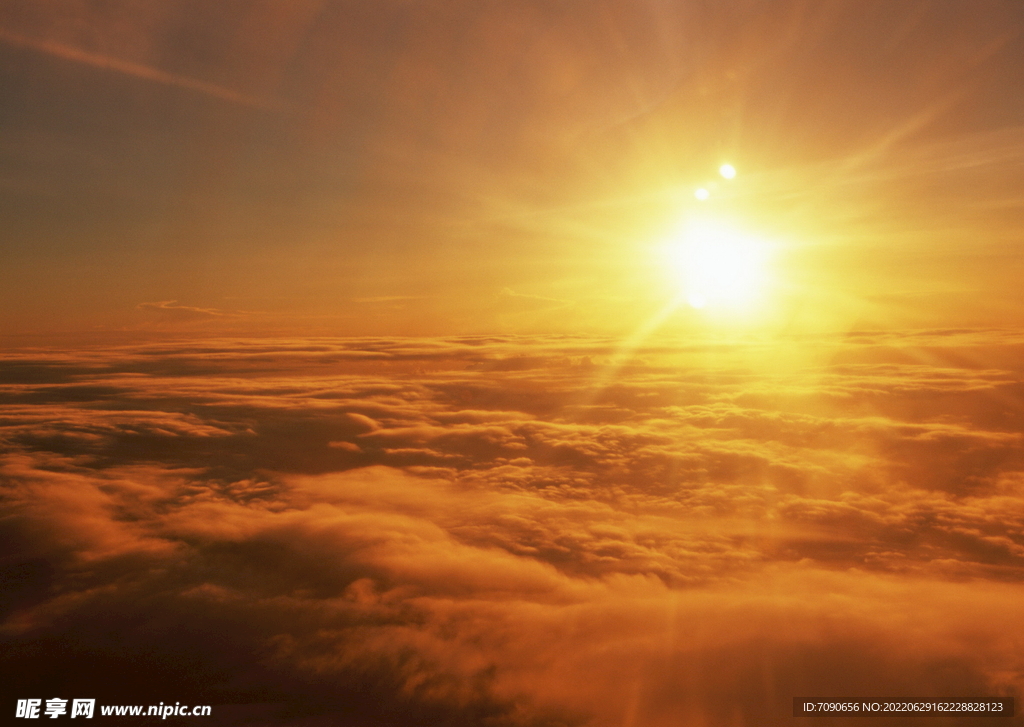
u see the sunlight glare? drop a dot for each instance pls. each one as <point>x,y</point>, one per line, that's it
<point>728,171</point>
<point>718,266</point>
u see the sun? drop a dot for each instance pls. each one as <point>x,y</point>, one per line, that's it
<point>718,266</point>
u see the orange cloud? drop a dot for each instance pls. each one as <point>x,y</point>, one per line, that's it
<point>386,529</point>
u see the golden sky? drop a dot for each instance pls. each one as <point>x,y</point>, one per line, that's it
<point>534,363</point>
<point>463,167</point>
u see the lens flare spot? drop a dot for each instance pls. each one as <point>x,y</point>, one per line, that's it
<point>702,194</point>
<point>727,170</point>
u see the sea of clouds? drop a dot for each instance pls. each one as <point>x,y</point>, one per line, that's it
<point>514,530</point>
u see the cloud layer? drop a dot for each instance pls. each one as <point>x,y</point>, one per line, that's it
<point>514,531</point>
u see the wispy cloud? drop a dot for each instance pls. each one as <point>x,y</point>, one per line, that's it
<point>138,70</point>
<point>385,299</point>
<point>171,310</point>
